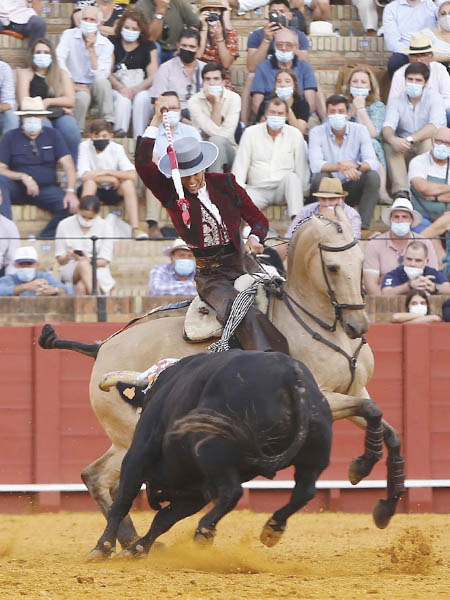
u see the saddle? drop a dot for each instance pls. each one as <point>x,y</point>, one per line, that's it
<point>201,324</point>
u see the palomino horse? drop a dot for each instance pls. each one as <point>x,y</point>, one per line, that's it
<point>321,313</point>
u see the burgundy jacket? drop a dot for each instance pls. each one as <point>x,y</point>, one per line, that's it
<point>230,198</point>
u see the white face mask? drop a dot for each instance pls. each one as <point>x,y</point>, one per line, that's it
<point>413,272</point>
<point>359,92</point>
<point>32,125</point>
<point>441,151</point>
<point>444,22</point>
<point>129,35</point>
<point>401,229</point>
<point>275,122</point>
<point>215,90</point>
<point>337,121</point>
<point>42,61</point>
<point>284,57</point>
<point>174,117</point>
<point>26,274</point>
<point>184,266</point>
<point>85,222</point>
<point>413,90</point>
<point>284,93</point>
<point>88,27</point>
<point>418,309</point>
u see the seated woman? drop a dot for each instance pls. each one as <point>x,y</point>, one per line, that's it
<point>110,13</point>
<point>439,36</point>
<point>286,88</point>
<point>135,65</point>
<point>417,307</point>
<point>361,87</point>
<point>43,77</point>
<point>218,41</point>
<point>73,248</point>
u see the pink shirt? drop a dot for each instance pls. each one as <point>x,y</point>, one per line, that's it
<point>381,256</point>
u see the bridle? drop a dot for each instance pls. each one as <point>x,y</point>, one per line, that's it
<point>338,307</point>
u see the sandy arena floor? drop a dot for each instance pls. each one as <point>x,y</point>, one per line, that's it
<point>327,556</point>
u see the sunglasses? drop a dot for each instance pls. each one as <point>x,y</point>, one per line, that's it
<point>34,148</point>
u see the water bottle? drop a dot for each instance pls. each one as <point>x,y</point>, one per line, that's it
<point>46,8</point>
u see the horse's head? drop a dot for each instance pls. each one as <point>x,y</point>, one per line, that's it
<point>325,271</point>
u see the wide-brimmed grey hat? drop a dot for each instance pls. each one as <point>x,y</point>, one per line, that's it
<point>193,156</point>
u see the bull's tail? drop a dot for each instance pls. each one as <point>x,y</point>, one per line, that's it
<point>243,433</point>
<point>49,340</point>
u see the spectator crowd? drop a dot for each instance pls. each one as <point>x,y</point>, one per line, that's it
<point>282,139</point>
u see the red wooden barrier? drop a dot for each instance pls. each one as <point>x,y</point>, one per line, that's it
<point>48,431</point>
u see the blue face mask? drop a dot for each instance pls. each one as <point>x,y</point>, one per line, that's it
<point>26,274</point>
<point>337,122</point>
<point>275,122</point>
<point>401,229</point>
<point>88,27</point>
<point>441,151</point>
<point>284,93</point>
<point>215,90</point>
<point>284,57</point>
<point>184,266</point>
<point>174,117</point>
<point>414,90</point>
<point>359,92</point>
<point>129,35</point>
<point>42,61</point>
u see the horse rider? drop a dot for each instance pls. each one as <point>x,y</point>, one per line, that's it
<point>216,206</point>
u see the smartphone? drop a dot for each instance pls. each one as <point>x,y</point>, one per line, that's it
<point>79,252</point>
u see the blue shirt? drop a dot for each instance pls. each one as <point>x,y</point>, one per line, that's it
<point>401,20</point>
<point>257,36</point>
<point>9,282</point>
<point>406,118</point>
<point>398,276</point>
<point>182,130</point>
<point>357,146</point>
<point>264,80</point>
<point>16,151</point>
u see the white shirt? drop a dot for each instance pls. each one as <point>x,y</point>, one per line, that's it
<point>203,196</point>
<point>113,158</point>
<point>262,161</point>
<point>439,81</point>
<point>401,21</point>
<point>73,56</point>
<point>70,228</point>
<point>16,11</point>
<point>201,110</point>
<point>8,247</point>
<point>423,166</point>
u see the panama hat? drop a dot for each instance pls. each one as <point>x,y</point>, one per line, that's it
<point>178,244</point>
<point>330,187</point>
<point>419,44</point>
<point>321,28</point>
<point>193,156</point>
<point>401,204</point>
<point>25,254</point>
<point>32,106</point>
<point>211,4</point>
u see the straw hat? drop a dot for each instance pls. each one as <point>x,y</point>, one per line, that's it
<point>33,106</point>
<point>321,28</point>
<point>401,204</point>
<point>330,187</point>
<point>193,156</point>
<point>211,4</point>
<point>178,244</point>
<point>419,44</point>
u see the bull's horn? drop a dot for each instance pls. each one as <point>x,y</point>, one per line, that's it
<point>110,379</point>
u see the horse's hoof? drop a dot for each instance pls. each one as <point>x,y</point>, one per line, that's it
<point>97,554</point>
<point>204,536</point>
<point>382,514</point>
<point>271,533</point>
<point>359,468</point>
<point>135,551</point>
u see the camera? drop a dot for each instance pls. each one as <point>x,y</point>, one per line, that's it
<point>213,18</point>
<point>278,18</point>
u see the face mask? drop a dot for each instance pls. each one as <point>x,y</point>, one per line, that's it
<point>32,125</point>
<point>284,57</point>
<point>85,222</point>
<point>129,35</point>
<point>100,145</point>
<point>184,266</point>
<point>174,117</point>
<point>337,122</point>
<point>444,22</point>
<point>414,90</point>
<point>215,90</point>
<point>418,309</point>
<point>440,151</point>
<point>186,56</point>
<point>413,272</point>
<point>284,93</point>
<point>359,92</point>
<point>88,27</point>
<point>26,274</point>
<point>275,123</point>
<point>401,229</point>
<point>42,61</point>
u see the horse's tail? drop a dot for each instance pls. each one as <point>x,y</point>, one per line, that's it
<point>49,340</point>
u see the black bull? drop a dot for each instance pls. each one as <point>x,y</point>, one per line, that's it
<point>211,422</point>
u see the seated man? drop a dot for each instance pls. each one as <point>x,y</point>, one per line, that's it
<point>175,278</point>
<point>215,112</point>
<point>9,242</point>
<point>18,16</point>
<point>28,280</point>
<point>401,19</point>
<point>29,158</point>
<point>88,58</point>
<point>345,150</point>
<point>411,119</point>
<point>271,161</point>
<point>414,274</point>
<point>286,47</point>
<point>383,255</point>
<point>420,50</point>
<point>8,118</point>
<point>106,172</point>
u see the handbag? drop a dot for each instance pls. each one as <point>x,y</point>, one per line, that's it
<point>56,112</point>
<point>129,77</point>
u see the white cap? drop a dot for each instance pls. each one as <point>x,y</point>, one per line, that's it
<point>401,204</point>
<point>321,28</point>
<point>25,254</point>
<point>178,244</point>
